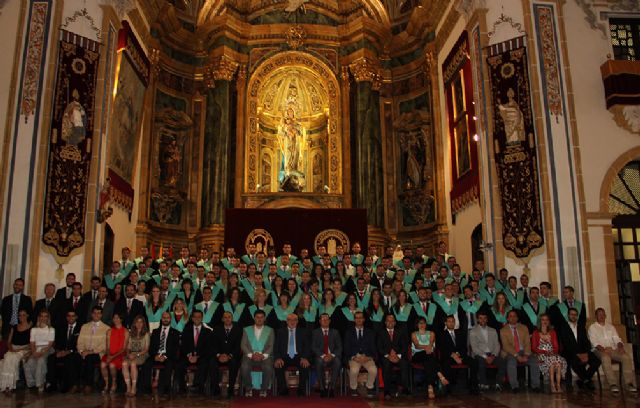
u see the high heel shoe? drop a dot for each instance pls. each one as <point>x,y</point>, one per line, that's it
<point>430,393</point>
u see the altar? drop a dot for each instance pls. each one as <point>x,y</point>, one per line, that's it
<point>300,227</point>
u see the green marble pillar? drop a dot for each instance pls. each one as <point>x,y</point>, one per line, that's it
<point>366,137</point>
<point>217,180</point>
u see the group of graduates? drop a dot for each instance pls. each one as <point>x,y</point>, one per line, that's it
<point>261,315</point>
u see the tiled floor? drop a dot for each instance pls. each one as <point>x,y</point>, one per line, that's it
<point>490,400</point>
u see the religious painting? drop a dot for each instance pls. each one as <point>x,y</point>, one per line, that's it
<point>458,82</point>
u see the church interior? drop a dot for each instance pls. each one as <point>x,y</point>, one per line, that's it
<point>501,131</point>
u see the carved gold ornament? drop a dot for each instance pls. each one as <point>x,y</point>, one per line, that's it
<point>295,36</point>
<point>261,238</point>
<point>331,238</point>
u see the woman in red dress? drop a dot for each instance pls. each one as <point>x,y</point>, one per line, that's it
<point>117,338</point>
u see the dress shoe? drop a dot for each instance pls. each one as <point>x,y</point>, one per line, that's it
<point>589,385</point>
<point>323,393</point>
<point>371,392</point>
<point>332,393</point>
<point>354,393</point>
<point>536,390</point>
<point>263,394</point>
<point>515,390</point>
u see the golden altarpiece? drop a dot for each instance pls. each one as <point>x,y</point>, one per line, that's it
<point>289,103</point>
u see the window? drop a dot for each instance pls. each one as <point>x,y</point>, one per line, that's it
<point>625,38</point>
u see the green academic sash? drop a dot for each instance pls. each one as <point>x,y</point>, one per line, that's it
<point>364,302</point>
<point>347,313</point>
<point>550,302</point>
<point>471,308</point>
<point>283,313</point>
<point>515,302</point>
<point>402,316</point>
<point>266,309</point>
<point>311,314</point>
<point>157,316</point>
<point>182,296</point>
<point>502,318</point>
<point>257,345</point>
<point>179,326</point>
<point>377,316</point>
<point>316,300</point>
<point>111,282</point>
<point>210,312</point>
<point>127,268</point>
<point>423,340</point>
<point>341,298</point>
<point>237,312</point>
<point>327,309</point>
<point>431,311</point>
<point>564,308</point>
<point>486,296</point>
<point>449,309</point>
<point>357,259</point>
<point>414,297</point>
<point>246,284</point>
<point>531,314</point>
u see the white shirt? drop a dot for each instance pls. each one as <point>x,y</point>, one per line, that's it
<point>257,331</point>
<point>42,336</point>
<point>574,329</point>
<point>601,335</point>
<point>485,335</point>
<point>455,314</point>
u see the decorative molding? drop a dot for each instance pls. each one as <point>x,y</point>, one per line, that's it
<point>366,70</point>
<point>504,19</point>
<point>295,36</point>
<point>591,9</point>
<point>468,7</point>
<point>122,7</point>
<point>221,68</point>
<point>83,14</point>
<point>549,56</point>
<point>627,117</point>
<point>34,58</point>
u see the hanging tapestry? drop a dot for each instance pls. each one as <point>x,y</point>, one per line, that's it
<point>70,143</point>
<point>458,85</point>
<point>515,148</point>
<point>126,116</point>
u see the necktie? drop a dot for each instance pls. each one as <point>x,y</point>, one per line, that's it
<point>14,310</point>
<point>206,307</point>
<point>163,339</point>
<point>196,336</point>
<point>453,337</point>
<point>69,333</point>
<point>359,334</point>
<point>325,342</point>
<point>75,303</point>
<point>571,303</point>
<point>391,334</point>
<point>95,295</point>
<point>227,330</point>
<point>292,344</point>
<point>128,305</point>
<point>516,341</point>
<point>48,302</point>
<point>424,307</point>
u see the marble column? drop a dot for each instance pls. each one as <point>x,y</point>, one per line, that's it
<point>366,138</point>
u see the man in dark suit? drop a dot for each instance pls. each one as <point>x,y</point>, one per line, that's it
<point>393,346</point>
<point>107,305</point>
<point>163,352</point>
<point>326,347</point>
<point>129,307</point>
<point>454,351</point>
<point>360,351</point>
<point>64,292</point>
<point>449,305</point>
<point>12,304</point>
<point>66,354</point>
<point>51,304</point>
<point>195,349</point>
<point>291,349</point>
<point>77,304</point>
<point>92,294</point>
<point>226,345</point>
<point>576,349</point>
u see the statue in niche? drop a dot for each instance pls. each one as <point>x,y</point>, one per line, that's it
<point>291,138</point>
<point>266,172</point>
<point>171,163</point>
<point>74,121</point>
<point>513,119</point>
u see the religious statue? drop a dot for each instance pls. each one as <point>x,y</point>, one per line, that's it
<point>171,159</point>
<point>513,119</point>
<point>74,121</point>
<point>295,5</point>
<point>414,170</point>
<point>291,138</point>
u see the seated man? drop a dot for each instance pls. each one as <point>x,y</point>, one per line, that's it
<point>576,349</point>
<point>326,347</point>
<point>92,344</point>
<point>393,345</point>
<point>292,350</point>
<point>360,351</point>
<point>195,349</point>
<point>609,346</point>
<point>485,349</point>
<point>66,354</point>
<point>226,341</point>
<point>516,349</point>
<point>257,350</point>
<point>453,351</point>
<point>163,352</point>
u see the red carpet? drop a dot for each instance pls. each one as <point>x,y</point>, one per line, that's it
<point>313,402</point>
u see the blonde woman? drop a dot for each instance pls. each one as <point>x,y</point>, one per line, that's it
<point>19,351</point>
<point>136,354</point>
<point>41,343</point>
<point>179,315</point>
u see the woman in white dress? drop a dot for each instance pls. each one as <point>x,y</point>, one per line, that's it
<point>19,350</point>
<point>41,343</point>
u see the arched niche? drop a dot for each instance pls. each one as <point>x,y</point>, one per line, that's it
<point>299,80</point>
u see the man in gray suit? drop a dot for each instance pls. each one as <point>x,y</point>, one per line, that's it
<point>105,303</point>
<point>485,349</point>
<point>257,350</point>
<point>326,347</point>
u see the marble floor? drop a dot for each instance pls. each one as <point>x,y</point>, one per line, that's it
<point>27,399</point>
